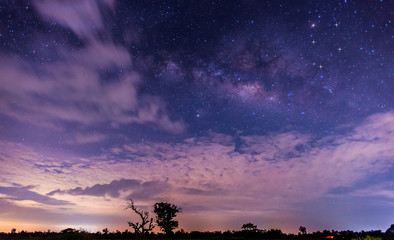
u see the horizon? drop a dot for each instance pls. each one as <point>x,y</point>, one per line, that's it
<point>276,113</point>
<point>156,230</point>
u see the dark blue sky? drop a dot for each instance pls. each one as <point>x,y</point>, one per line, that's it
<point>289,103</point>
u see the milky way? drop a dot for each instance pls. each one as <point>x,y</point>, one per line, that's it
<point>279,113</point>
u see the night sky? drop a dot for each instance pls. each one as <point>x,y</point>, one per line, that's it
<point>279,113</point>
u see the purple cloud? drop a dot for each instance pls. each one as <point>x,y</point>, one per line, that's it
<point>82,17</point>
<point>112,189</point>
<point>282,170</point>
<point>150,190</point>
<point>73,88</point>
<point>23,193</point>
<point>139,190</point>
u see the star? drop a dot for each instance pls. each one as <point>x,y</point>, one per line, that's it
<point>185,98</point>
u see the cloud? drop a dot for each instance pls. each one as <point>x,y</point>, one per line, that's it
<point>22,193</point>
<point>290,166</point>
<point>202,192</point>
<point>88,86</point>
<point>83,17</point>
<point>112,189</point>
<point>140,191</point>
<point>276,147</point>
<point>221,174</point>
<point>151,190</point>
<point>87,138</point>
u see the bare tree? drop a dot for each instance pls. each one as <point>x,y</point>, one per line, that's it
<point>146,225</point>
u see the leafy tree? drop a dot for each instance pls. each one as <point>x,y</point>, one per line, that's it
<point>302,230</point>
<point>146,225</point>
<point>105,231</point>
<point>165,213</point>
<point>249,227</point>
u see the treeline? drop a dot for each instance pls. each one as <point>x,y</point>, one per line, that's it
<point>165,214</point>
<point>72,234</point>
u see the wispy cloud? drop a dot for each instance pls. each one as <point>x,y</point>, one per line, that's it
<point>83,17</point>
<point>87,138</point>
<point>92,85</point>
<point>112,189</point>
<point>123,188</point>
<point>23,193</point>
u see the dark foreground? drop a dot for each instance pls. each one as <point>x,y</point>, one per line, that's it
<point>273,234</point>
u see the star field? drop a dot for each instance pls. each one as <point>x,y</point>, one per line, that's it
<point>198,103</point>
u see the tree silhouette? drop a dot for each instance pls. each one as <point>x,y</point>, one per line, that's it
<point>390,230</point>
<point>165,213</point>
<point>69,230</point>
<point>302,230</point>
<point>146,225</point>
<point>249,227</point>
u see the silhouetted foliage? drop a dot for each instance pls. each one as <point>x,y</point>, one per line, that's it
<point>390,230</point>
<point>274,233</point>
<point>146,225</point>
<point>249,227</point>
<point>302,230</point>
<point>68,230</point>
<point>165,213</point>
<point>70,233</point>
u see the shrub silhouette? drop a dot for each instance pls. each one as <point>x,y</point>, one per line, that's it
<point>72,234</point>
<point>249,227</point>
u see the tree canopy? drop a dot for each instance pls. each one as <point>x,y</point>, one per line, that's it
<point>165,213</point>
<point>249,227</point>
